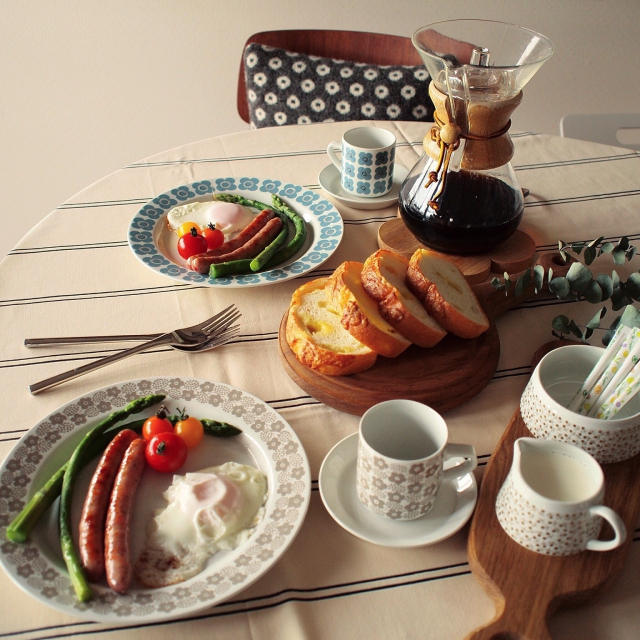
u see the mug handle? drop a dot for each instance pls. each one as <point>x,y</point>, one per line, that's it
<point>619,530</point>
<point>331,150</point>
<point>465,451</point>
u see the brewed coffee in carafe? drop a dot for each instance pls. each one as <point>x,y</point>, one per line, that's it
<point>463,196</point>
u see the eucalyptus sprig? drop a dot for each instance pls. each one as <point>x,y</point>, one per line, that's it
<point>580,284</point>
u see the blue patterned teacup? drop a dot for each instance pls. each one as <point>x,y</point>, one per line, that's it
<point>368,155</point>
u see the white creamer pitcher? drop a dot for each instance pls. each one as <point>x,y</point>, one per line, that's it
<point>550,502</point>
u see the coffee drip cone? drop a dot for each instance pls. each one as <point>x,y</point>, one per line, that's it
<point>463,196</point>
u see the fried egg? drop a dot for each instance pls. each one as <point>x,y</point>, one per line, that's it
<point>209,510</point>
<point>229,217</point>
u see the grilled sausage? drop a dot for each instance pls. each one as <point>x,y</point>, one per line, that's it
<point>94,512</point>
<point>116,535</point>
<point>246,234</point>
<point>250,249</point>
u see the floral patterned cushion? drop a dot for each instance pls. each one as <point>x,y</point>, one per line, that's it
<point>294,88</point>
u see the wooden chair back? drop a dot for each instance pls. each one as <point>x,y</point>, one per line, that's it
<point>358,46</point>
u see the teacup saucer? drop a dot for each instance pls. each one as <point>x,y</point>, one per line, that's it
<point>454,505</point>
<point>329,179</point>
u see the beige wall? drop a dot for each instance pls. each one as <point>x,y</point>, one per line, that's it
<point>88,86</point>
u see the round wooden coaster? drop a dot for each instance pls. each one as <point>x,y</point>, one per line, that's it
<point>514,254</point>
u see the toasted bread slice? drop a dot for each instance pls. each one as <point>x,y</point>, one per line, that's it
<point>359,312</point>
<point>445,293</point>
<point>317,338</point>
<point>383,278</point>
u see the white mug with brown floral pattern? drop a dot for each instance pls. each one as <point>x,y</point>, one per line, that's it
<point>402,451</point>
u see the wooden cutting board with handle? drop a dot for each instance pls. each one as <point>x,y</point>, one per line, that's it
<point>528,587</point>
<point>444,376</point>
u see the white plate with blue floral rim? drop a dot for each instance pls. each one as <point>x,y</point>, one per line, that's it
<point>156,247</point>
<point>267,442</point>
<point>454,504</point>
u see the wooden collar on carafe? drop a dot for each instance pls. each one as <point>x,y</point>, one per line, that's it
<point>485,128</point>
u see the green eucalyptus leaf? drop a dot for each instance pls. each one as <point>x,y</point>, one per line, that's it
<point>631,252</point>
<point>538,277</point>
<point>629,318</point>
<point>577,247</point>
<point>522,283</point>
<point>579,277</point>
<point>575,329</point>
<point>507,282</point>
<point>615,278</point>
<point>594,323</point>
<point>496,283</point>
<point>560,287</point>
<point>618,256</point>
<point>633,286</point>
<point>590,255</point>
<point>588,333</point>
<point>619,300</point>
<point>606,285</point>
<point>596,242</point>
<point>607,247</point>
<point>561,324</point>
<point>550,275</point>
<point>593,294</point>
<point>623,243</point>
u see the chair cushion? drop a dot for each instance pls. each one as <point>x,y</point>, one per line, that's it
<point>284,87</point>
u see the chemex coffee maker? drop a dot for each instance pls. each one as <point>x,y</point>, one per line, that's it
<point>462,197</point>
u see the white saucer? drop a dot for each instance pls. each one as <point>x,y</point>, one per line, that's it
<point>329,179</point>
<point>453,508</point>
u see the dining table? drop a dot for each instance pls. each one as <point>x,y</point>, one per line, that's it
<point>84,270</point>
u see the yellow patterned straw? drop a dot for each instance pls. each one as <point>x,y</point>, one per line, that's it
<point>627,388</point>
<point>631,356</point>
<point>586,390</point>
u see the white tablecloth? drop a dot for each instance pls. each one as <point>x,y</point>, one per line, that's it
<point>75,274</point>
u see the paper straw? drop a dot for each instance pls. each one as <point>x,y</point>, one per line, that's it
<point>610,370</point>
<point>623,369</point>
<point>621,334</point>
<point>627,388</point>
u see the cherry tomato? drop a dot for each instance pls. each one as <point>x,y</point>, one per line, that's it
<point>213,236</point>
<point>186,227</point>
<point>191,244</point>
<point>166,452</point>
<point>189,429</point>
<point>156,424</point>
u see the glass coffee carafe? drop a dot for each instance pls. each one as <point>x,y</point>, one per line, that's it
<point>463,196</point>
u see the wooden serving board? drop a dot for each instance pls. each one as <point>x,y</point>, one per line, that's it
<point>444,376</point>
<point>528,587</point>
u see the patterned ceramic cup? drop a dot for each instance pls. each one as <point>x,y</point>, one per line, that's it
<point>402,447</point>
<point>368,155</point>
<point>552,386</point>
<point>550,502</point>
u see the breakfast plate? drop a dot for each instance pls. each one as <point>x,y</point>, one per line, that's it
<point>329,179</point>
<point>453,507</point>
<point>155,245</point>
<point>267,442</point>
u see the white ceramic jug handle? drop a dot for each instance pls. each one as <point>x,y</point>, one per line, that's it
<point>465,451</point>
<point>619,530</point>
<point>331,150</point>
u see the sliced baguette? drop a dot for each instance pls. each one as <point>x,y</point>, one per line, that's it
<point>445,294</point>
<point>359,312</point>
<point>317,338</point>
<point>383,278</point>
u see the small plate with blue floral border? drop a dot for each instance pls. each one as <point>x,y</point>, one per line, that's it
<point>155,245</point>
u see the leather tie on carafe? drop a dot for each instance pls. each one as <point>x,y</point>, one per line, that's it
<point>485,130</point>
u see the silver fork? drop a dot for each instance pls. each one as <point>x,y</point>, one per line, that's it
<point>207,334</point>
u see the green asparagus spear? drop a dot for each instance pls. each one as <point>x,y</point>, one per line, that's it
<point>19,530</point>
<point>21,527</point>
<point>77,461</point>
<point>262,258</point>
<point>298,239</point>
